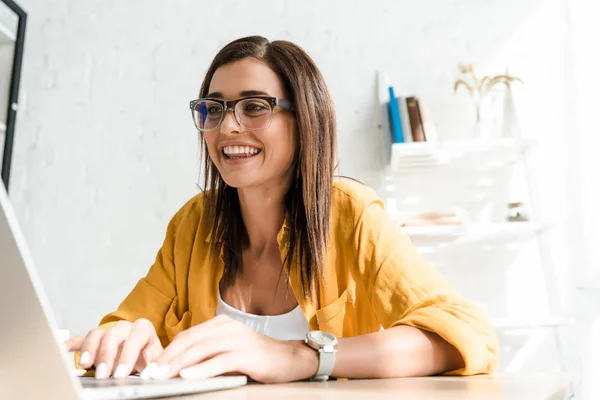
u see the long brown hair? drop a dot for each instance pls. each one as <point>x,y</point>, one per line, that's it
<point>308,201</point>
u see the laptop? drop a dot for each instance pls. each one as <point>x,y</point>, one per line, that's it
<point>33,362</point>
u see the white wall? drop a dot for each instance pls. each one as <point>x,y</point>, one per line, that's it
<point>583,185</point>
<point>106,151</point>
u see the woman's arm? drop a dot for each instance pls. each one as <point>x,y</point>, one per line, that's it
<point>409,298</point>
<point>401,351</point>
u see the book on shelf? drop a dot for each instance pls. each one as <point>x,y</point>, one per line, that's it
<point>394,114</point>
<point>414,117</point>
<point>404,119</point>
<point>455,216</point>
<point>409,121</point>
<point>427,123</point>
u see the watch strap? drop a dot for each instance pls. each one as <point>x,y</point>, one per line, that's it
<point>326,364</point>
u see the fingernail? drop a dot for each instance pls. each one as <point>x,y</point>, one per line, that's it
<point>84,359</point>
<point>148,372</point>
<point>121,371</point>
<point>162,372</point>
<point>101,371</point>
<point>188,373</point>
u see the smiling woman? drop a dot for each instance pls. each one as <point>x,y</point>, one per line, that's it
<point>276,270</point>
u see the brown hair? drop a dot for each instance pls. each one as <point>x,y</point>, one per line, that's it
<point>308,201</point>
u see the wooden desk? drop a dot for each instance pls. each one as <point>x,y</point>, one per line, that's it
<point>513,387</point>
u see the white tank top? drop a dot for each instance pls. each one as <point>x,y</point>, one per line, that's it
<point>288,326</point>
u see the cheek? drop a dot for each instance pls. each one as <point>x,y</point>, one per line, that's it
<point>283,142</point>
<point>281,152</point>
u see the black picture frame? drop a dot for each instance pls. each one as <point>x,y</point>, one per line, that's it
<point>13,99</point>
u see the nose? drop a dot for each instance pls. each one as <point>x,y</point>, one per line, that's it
<point>229,124</point>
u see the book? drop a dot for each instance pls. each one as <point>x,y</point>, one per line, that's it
<point>404,120</point>
<point>428,125</point>
<point>395,123</point>
<point>414,115</point>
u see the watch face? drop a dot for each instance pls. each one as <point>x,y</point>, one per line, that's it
<point>322,338</point>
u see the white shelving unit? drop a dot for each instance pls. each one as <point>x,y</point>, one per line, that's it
<point>456,235</point>
<point>475,176</point>
<point>527,324</point>
<point>409,158</point>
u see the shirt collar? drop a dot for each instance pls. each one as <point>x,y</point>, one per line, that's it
<point>284,229</point>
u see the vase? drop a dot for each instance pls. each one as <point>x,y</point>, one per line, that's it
<point>510,123</point>
<point>488,122</point>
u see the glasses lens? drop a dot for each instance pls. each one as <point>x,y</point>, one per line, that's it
<point>253,113</point>
<point>207,115</point>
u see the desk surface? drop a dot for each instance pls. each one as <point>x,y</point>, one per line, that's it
<point>522,386</point>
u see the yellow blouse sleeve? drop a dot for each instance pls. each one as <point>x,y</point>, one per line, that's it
<point>153,294</point>
<point>405,290</point>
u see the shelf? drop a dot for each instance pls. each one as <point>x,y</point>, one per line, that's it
<point>423,156</point>
<point>489,233</point>
<point>505,324</point>
<point>6,37</point>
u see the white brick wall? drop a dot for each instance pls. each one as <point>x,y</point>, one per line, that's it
<point>106,151</point>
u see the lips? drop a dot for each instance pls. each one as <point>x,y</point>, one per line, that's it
<point>237,152</point>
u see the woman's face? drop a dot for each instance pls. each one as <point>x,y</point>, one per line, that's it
<point>251,158</point>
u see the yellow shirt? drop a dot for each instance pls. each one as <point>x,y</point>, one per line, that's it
<point>373,278</point>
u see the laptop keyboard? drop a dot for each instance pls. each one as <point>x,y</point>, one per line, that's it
<point>89,382</point>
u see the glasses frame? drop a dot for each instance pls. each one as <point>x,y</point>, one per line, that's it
<point>231,104</point>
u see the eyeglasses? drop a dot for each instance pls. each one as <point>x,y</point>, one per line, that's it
<point>251,113</point>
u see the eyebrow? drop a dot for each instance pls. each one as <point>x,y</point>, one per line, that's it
<point>246,93</point>
<point>243,93</point>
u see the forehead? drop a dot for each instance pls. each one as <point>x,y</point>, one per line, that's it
<point>248,74</point>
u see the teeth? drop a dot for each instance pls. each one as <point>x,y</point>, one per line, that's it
<point>240,150</point>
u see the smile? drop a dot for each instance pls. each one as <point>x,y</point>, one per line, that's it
<point>237,152</point>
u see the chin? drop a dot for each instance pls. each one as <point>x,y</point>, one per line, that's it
<point>238,181</point>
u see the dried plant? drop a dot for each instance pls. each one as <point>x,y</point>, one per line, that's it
<point>479,88</point>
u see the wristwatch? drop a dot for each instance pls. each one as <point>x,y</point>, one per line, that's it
<point>325,343</point>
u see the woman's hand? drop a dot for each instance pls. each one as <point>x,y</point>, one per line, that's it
<point>119,351</point>
<point>222,345</point>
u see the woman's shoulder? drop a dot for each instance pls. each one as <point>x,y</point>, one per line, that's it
<point>351,193</point>
<point>352,204</point>
<point>190,215</point>
<point>350,200</point>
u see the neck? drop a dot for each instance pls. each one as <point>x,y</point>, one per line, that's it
<point>263,212</point>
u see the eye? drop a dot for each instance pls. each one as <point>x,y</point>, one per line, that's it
<point>212,110</point>
<point>254,108</point>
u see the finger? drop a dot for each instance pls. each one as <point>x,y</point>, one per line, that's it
<point>218,365</point>
<point>141,334</point>
<point>89,347</point>
<point>196,354</point>
<point>109,349</point>
<point>145,364</point>
<point>74,343</point>
<point>148,354</point>
<point>212,328</point>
